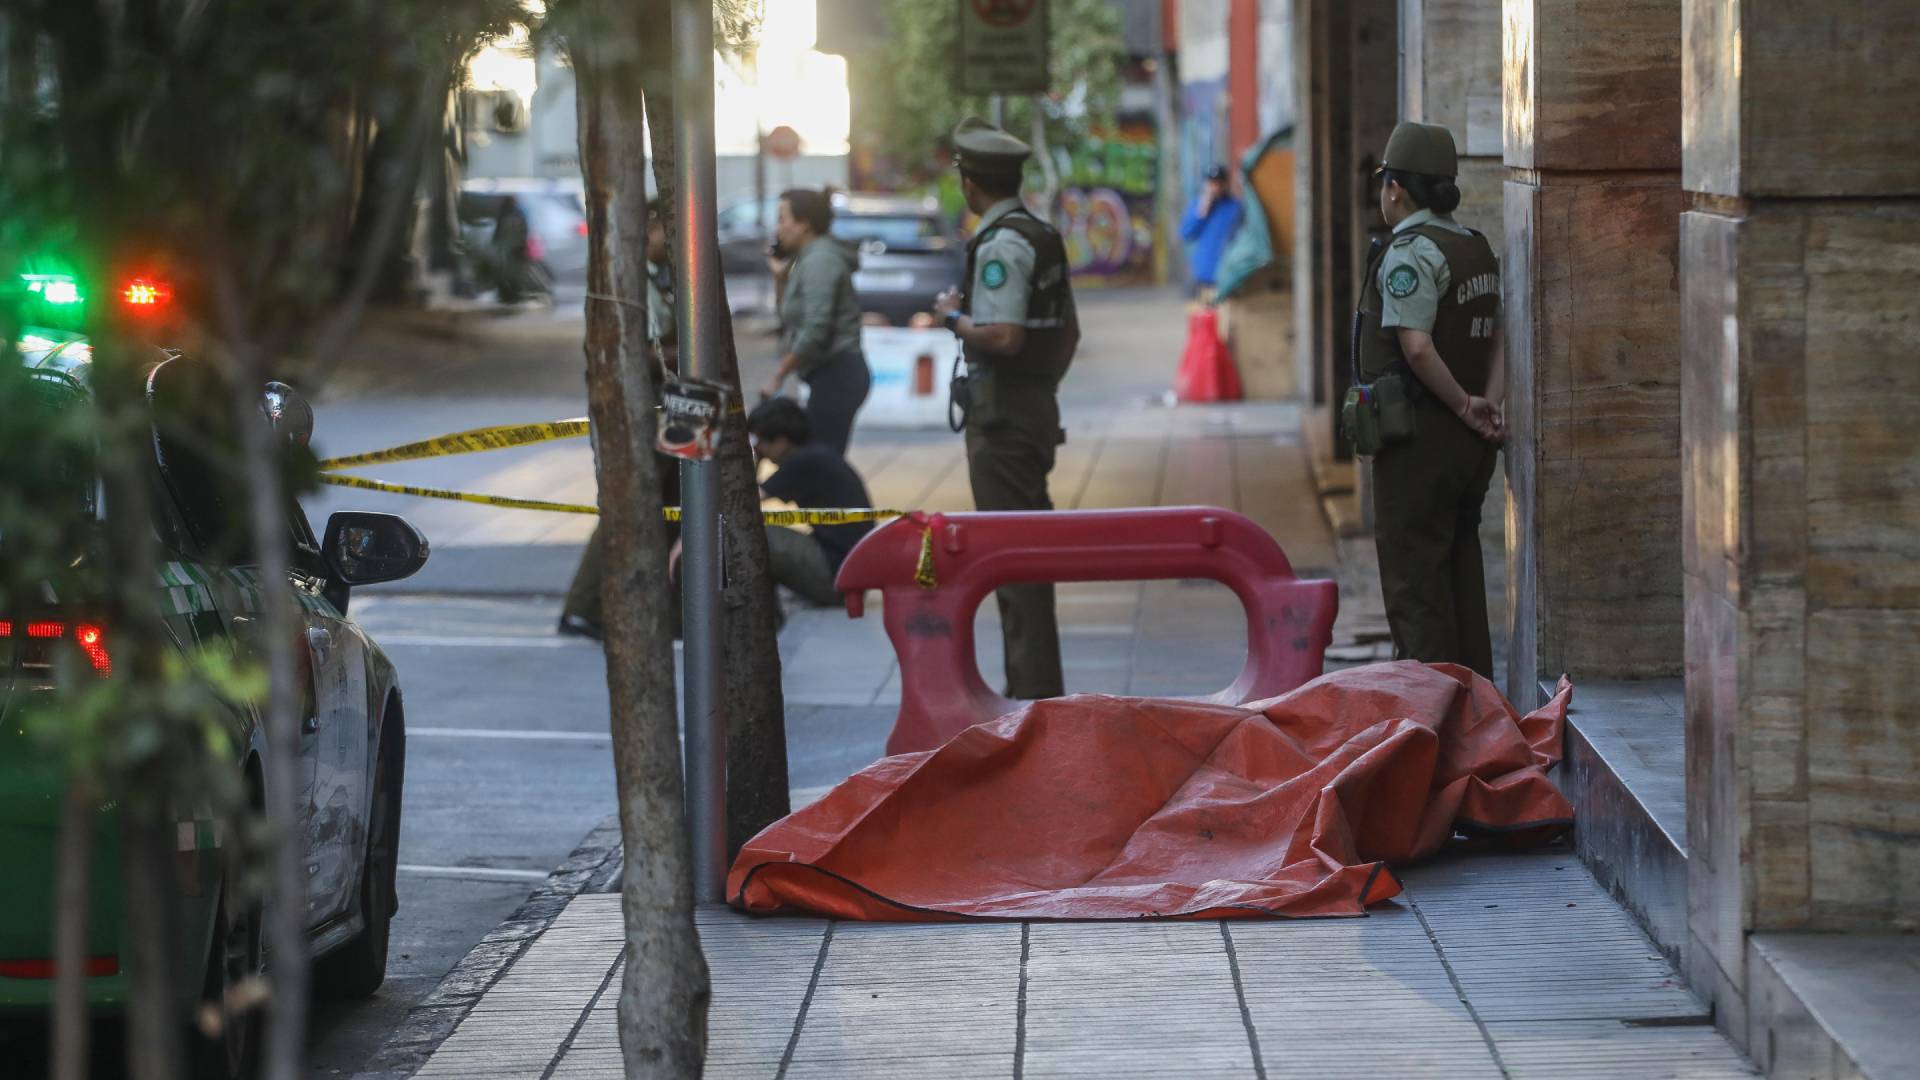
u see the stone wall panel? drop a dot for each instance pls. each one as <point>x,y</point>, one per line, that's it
<point>1596,357</point>
<point>1521,453</point>
<point>1710,407</point>
<point>1482,194</point>
<point>1780,865</point>
<point>1717,818</point>
<point>1451,69</point>
<point>1863,404</point>
<point>1592,86</point>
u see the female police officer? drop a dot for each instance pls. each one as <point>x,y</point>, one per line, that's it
<point>1430,317</point>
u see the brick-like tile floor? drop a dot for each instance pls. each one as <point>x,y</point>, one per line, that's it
<point>1488,966</point>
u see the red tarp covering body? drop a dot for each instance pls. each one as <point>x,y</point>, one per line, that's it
<point>1094,807</point>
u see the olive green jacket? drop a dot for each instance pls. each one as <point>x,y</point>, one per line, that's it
<point>819,312</point>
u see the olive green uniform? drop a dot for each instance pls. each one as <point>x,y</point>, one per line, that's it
<point>1013,426</point>
<point>1439,277</point>
<point>1017,274</point>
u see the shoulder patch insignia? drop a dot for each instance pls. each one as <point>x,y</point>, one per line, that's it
<point>1401,282</point>
<point>994,274</point>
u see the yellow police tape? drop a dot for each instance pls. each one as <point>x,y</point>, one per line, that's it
<point>506,436</point>
<point>499,437</point>
<point>837,516</point>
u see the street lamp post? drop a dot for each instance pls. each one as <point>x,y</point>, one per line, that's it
<point>699,314</point>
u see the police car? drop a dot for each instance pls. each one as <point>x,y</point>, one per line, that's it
<point>352,724</point>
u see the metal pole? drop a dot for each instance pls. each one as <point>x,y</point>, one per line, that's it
<point>760,192</point>
<point>698,299</point>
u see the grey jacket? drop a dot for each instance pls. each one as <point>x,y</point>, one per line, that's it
<point>819,312</point>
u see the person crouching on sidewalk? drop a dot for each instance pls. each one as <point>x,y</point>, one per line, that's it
<point>812,476</point>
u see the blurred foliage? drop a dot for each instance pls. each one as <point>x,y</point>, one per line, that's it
<point>905,90</point>
<point>222,144</point>
<point>225,147</point>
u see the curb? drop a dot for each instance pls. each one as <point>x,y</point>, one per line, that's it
<point>427,1024</point>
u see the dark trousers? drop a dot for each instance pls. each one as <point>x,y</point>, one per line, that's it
<point>797,561</point>
<point>583,595</point>
<point>1427,494</point>
<point>1007,465</point>
<point>835,393</point>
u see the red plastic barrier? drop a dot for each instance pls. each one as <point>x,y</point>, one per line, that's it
<point>1289,621</point>
<point>1206,368</point>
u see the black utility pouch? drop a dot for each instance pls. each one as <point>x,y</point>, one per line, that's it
<point>983,398</point>
<point>1395,407</point>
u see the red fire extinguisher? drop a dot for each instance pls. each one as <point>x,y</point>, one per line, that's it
<point>923,375</point>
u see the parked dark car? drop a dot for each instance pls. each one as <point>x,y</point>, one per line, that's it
<point>554,247</point>
<point>211,596</point>
<point>908,250</point>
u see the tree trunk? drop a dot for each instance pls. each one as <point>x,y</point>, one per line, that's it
<point>154,1010</point>
<point>665,990</point>
<point>70,901</point>
<point>262,450</point>
<point>755,704</point>
<point>147,835</point>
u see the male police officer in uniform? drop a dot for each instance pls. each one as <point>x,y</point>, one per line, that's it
<point>1430,318</point>
<point>1017,323</point>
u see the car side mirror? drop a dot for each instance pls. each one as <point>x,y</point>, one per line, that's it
<point>366,549</point>
<point>289,413</point>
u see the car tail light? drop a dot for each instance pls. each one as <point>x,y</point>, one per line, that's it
<point>581,228</point>
<point>41,967</point>
<point>34,643</point>
<point>146,294</point>
<point>535,249</point>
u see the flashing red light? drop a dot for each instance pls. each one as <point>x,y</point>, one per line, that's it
<point>94,644</point>
<point>42,967</point>
<point>581,228</point>
<point>147,293</point>
<point>91,639</point>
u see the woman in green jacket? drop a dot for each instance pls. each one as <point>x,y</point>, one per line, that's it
<point>820,318</point>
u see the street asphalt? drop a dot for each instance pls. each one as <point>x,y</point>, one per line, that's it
<point>507,767</point>
<point>508,761</point>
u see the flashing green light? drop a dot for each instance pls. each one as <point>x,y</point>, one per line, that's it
<point>58,289</point>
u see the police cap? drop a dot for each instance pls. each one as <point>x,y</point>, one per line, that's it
<point>985,150</point>
<point>1426,149</point>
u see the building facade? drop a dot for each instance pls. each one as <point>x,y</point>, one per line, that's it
<point>1709,217</point>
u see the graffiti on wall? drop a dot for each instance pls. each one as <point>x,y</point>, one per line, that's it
<point>1105,207</point>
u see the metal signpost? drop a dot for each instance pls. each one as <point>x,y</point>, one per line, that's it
<point>699,314</point>
<point>1003,47</point>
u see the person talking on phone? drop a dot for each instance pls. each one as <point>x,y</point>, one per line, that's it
<point>819,317</point>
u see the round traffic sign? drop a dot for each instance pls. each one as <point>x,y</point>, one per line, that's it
<point>783,143</point>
